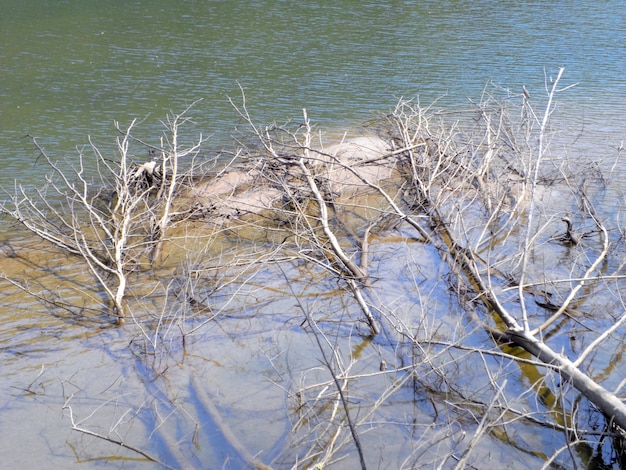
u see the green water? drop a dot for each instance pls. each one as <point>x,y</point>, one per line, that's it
<point>68,69</point>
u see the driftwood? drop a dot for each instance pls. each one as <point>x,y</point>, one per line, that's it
<point>437,174</point>
<point>362,164</point>
<point>606,401</point>
<point>472,202</point>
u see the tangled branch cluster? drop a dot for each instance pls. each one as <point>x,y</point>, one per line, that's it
<point>472,204</point>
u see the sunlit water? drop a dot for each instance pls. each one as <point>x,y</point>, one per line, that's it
<point>68,70</point>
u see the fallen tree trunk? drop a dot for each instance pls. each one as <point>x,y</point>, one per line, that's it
<point>444,177</point>
<point>606,401</point>
<point>463,258</point>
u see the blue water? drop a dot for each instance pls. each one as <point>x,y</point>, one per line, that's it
<point>69,69</point>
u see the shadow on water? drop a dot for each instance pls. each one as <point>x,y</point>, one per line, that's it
<point>246,347</point>
<point>219,367</point>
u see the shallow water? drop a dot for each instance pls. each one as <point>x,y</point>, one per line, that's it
<point>69,69</point>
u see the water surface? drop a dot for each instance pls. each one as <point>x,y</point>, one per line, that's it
<point>69,69</point>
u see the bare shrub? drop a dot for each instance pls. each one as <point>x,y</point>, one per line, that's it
<point>114,221</point>
<point>447,288</point>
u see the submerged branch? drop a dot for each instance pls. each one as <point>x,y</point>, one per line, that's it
<point>225,429</point>
<point>443,220</point>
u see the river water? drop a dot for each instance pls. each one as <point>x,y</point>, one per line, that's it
<point>69,69</point>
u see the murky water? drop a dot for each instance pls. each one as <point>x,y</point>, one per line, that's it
<point>69,69</point>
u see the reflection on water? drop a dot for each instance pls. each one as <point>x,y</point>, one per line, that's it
<point>69,70</point>
<point>234,333</point>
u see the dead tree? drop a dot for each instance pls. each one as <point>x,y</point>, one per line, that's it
<point>300,165</point>
<point>111,214</point>
<point>443,177</point>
